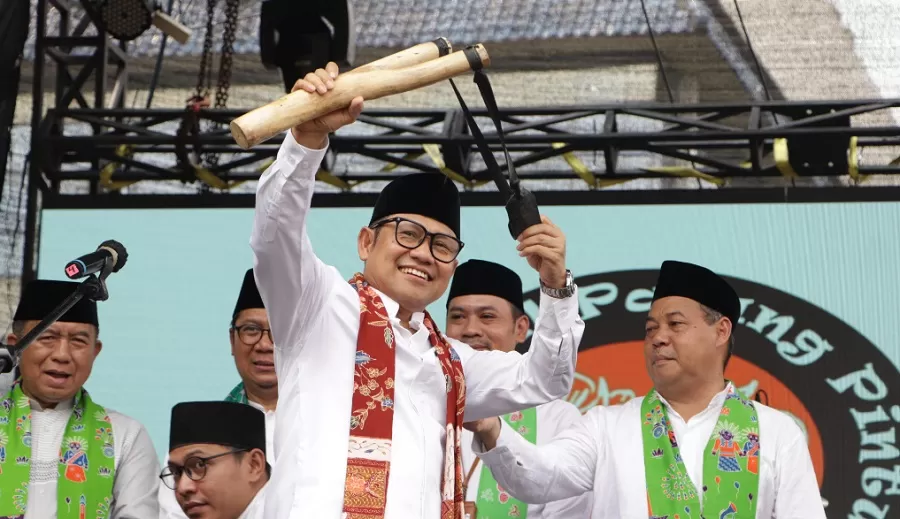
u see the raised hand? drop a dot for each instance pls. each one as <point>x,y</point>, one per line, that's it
<point>544,246</point>
<point>313,134</point>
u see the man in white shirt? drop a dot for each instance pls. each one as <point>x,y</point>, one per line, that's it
<point>253,352</point>
<point>486,310</point>
<point>692,446</point>
<point>366,355</point>
<point>217,460</point>
<point>61,454</point>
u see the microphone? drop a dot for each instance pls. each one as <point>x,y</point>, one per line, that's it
<point>6,360</point>
<point>94,262</point>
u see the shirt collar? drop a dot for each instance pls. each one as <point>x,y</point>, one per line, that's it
<point>61,406</point>
<point>718,400</point>
<point>259,406</point>
<point>392,307</point>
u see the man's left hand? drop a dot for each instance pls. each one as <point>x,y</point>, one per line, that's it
<point>544,245</point>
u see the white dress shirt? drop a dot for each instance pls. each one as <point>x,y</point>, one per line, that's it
<point>603,452</point>
<point>168,505</point>
<point>255,509</point>
<point>136,464</point>
<point>552,419</point>
<point>314,315</point>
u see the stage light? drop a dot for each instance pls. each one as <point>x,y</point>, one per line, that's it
<point>125,20</point>
<point>299,37</point>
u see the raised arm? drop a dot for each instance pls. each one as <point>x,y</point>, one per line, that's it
<point>498,383</point>
<point>292,281</point>
<point>562,469</point>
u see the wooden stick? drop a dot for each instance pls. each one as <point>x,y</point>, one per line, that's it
<point>408,57</point>
<point>299,107</point>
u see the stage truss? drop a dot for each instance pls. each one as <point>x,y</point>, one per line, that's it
<point>712,142</point>
<point>117,155</point>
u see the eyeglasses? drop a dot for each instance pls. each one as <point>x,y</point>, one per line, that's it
<point>194,468</point>
<point>251,334</point>
<point>410,235</point>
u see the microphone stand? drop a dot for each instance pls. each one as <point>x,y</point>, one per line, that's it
<point>92,288</point>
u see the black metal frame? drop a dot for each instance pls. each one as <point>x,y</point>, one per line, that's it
<point>694,133</point>
<point>74,71</point>
<point>718,142</point>
<point>765,195</point>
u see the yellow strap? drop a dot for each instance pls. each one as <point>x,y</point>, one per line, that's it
<point>393,165</point>
<point>434,153</point>
<point>577,166</point>
<point>601,183</point>
<point>679,171</point>
<point>209,178</point>
<point>782,161</point>
<point>853,162</point>
<point>264,166</point>
<point>108,170</point>
<point>325,176</point>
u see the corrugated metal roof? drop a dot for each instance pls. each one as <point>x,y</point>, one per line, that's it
<point>402,23</point>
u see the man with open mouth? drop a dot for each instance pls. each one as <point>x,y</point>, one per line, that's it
<point>254,357</point>
<point>62,455</point>
<point>372,395</point>
<point>217,464</point>
<point>486,310</point>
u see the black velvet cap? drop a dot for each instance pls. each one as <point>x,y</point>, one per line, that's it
<point>249,296</point>
<point>700,284</point>
<point>477,277</point>
<point>222,423</point>
<point>42,296</point>
<point>427,194</point>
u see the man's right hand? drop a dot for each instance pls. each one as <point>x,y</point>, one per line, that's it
<point>487,430</point>
<point>313,134</point>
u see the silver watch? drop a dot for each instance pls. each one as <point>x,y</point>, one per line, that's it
<point>561,293</point>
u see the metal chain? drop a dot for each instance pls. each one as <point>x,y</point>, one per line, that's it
<point>206,57</point>
<point>231,20</point>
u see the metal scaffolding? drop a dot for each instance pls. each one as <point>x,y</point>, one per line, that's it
<point>804,139</point>
<point>89,137</point>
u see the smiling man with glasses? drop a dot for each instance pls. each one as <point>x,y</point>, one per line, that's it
<point>253,352</point>
<point>372,395</point>
<point>217,460</point>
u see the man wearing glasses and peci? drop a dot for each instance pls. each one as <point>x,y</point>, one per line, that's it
<point>253,352</point>
<point>372,395</point>
<point>217,460</point>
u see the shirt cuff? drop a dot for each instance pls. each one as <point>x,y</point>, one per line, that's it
<point>558,315</point>
<point>501,453</point>
<point>297,157</point>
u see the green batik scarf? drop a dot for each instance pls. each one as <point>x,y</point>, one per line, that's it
<point>730,463</point>
<point>494,502</point>
<point>237,395</point>
<point>86,458</point>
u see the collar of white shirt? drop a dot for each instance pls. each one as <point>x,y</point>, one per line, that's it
<point>257,405</point>
<point>718,400</point>
<point>61,406</point>
<point>393,308</point>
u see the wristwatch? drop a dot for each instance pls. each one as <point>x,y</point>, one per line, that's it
<point>561,293</point>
